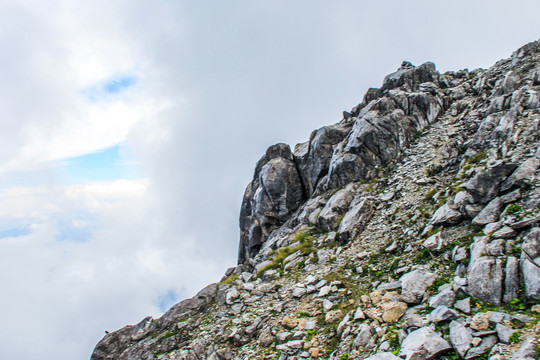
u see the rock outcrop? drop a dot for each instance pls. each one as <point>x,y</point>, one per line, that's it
<point>408,230</point>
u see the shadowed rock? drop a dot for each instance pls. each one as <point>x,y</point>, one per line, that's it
<point>270,199</point>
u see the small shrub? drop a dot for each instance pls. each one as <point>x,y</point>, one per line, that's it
<point>512,209</point>
<point>167,334</point>
<point>422,256</point>
<point>475,159</point>
<point>344,356</point>
<point>514,338</point>
<point>429,195</point>
<point>433,231</point>
<point>311,334</point>
<point>369,188</point>
<point>339,220</point>
<point>392,337</point>
<point>438,282</point>
<point>230,279</point>
<point>442,201</point>
<point>518,304</point>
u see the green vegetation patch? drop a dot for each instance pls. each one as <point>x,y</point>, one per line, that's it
<point>512,209</point>
<point>305,239</point>
<point>475,159</point>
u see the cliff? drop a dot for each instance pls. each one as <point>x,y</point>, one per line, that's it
<point>409,229</point>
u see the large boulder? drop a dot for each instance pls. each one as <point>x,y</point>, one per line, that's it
<point>383,356</point>
<point>485,279</point>
<point>523,174</point>
<point>460,337</point>
<point>485,187</point>
<point>511,279</point>
<point>409,77</point>
<point>313,158</point>
<point>490,213</point>
<point>414,285</point>
<point>423,344</point>
<point>335,209</point>
<point>353,221</point>
<point>113,344</point>
<point>530,263</point>
<point>273,195</point>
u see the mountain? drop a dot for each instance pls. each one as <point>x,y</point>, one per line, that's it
<point>409,229</point>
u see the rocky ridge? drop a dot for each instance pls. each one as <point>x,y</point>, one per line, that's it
<point>408,230</point>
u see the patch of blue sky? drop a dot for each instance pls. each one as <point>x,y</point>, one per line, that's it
<point>167,300</point>
<point>11,232</point>
<point>109,89</point>
<point>115,86</point>
<point>113,163</point>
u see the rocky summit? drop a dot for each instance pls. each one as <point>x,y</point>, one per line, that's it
<point>407,230</point>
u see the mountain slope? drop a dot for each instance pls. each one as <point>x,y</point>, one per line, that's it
<point>409,228</point>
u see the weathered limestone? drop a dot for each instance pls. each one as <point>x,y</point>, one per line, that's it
<point>530,263</point>
<point>270,199</point>
<point>460,337</point>
<point>485,187</point>
<point>414,285</point>
<point>423,344</point>
<point>485,279</point>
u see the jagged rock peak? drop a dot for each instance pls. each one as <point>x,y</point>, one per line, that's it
<point>388,235</point>
<point>275,192</point>
<point>375,135</point>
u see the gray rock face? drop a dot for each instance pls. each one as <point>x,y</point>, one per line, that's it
<point>384,128</point>
<point>410,77</point>
<point>414,285</point>
<point>270,199</point>
<point>511,279</point>
<point>354,219</point>
<point>423,344</point>
<point>112,345</point>
<point>313,158</point>
<point>445,215</point>
<point>530,263</point>
<point>435,242</point>
<point>504,333</point>
<point>490,213</point>
<point>335,208</point>
<point>364,334</point>
<point>460,337</point>
<point>522,175</point>
<point>383,356</point>
<point>485,187</point>
<point>142,328</point>
<point>464,305</point>
<point>485,279</point>
<point>443,313</point>
<point>446,297</point>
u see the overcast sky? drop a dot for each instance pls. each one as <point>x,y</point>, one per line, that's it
<point>131,128</point>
